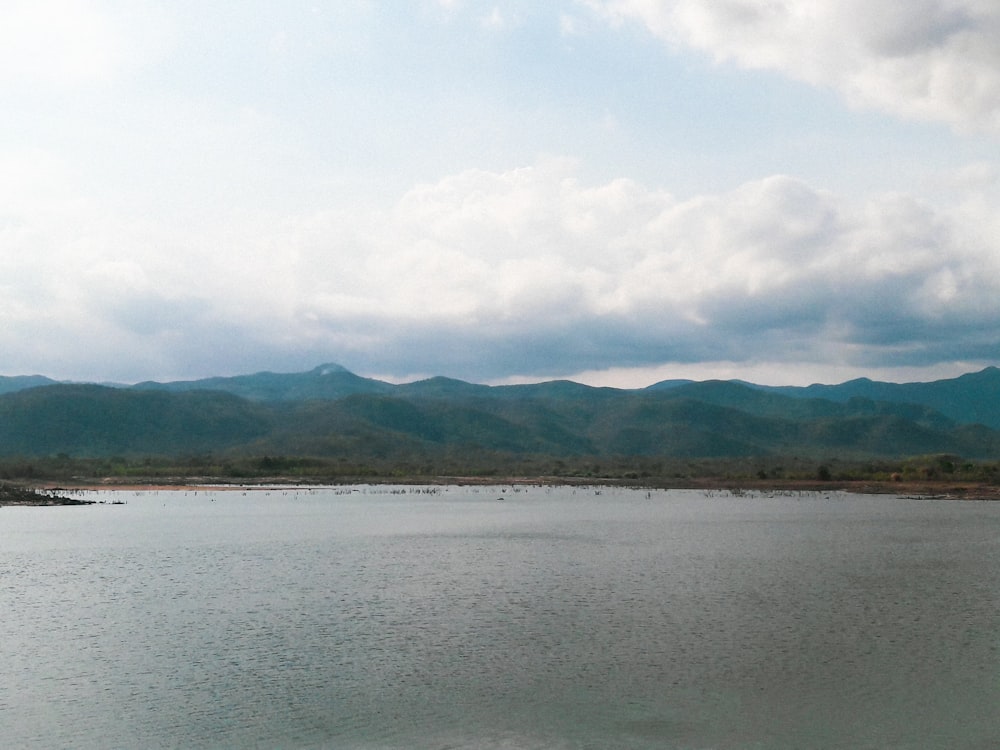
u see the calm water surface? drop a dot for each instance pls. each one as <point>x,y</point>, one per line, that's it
<point>381,618</point>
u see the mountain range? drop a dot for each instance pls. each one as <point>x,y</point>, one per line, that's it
<point>330,411</point>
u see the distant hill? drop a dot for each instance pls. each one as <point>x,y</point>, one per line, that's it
<point>971,398</point>
<point>331,412</point>
<point>92,420</point>
<point>325,382</point>
<point>771,403</point>
<point>21,382</point>
<point>331,382</point>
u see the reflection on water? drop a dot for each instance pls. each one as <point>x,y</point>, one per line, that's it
<point>489,618</point>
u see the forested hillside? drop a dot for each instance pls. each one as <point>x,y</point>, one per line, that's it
<point>330,412</point>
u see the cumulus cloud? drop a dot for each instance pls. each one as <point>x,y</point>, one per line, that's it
<point>936,60</point>
<point>529,272</point>
<point>242,208</point>
<point>491,274</point>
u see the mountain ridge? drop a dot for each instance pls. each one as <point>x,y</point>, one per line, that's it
<point>330,411</point>
<point>969,398</point>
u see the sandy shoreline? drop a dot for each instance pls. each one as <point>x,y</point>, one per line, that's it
<point>926,489</point>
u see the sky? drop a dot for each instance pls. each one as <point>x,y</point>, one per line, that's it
<point>612,191</point>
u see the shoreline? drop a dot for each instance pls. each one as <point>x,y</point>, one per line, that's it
<point>46,493</point>
<point>19,495</point>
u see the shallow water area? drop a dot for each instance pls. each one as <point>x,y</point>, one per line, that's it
<point>500,617</point>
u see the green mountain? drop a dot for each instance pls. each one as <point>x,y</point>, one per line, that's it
<point>330,412</point>
<point>92,420</point>
<point>770,403</point>
<point>971,398</point>
<point>326,382</point>
<point>21,382</point>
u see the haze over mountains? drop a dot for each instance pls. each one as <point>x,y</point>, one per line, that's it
<point>329,411</point>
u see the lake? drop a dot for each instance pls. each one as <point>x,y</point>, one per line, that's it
<point>500,617</point>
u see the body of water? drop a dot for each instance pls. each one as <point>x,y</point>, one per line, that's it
<point>498,617</point>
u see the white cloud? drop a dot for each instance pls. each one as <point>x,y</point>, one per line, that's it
<point>569,25</point>
<point>489,275</point>
<point>496,20</point>
<point>935,60</point>
<point>73,42</point>
<point>252,200</point>
<point>530,271</point>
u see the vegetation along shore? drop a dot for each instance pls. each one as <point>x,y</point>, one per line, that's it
<point>330,426</point>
